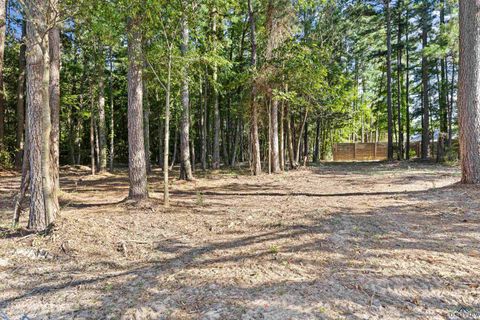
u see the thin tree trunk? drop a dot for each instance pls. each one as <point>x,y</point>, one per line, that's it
<point>256,160</point>
<point>281,135</point>
<point>54,100</point>
<point>399,82</point>
<point>20,140</point>
<point>306,149</point>
<point>317,142</point>
<point>175,149</point>
<point>291,155</point>
<point>203,125</point>
<point>300,134</point>
<point>136,146</point>
<point>185,165</point>
<point>166,135</point>
<point>216,107</point>
<point>92,133</point>
<point>450,111</point>
<point>425,102</point>
<point>112,112</point>
<point>3,26</point>
<point>236,142</point>
<point>389,82</point>
<point>146,127</point>
<point>469,91</point>
<point>97,144</point>
<point>407,87</point>
<point>102,126</point>
<point>275,147</point>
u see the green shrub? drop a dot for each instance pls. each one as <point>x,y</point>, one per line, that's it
<point>5,160</point>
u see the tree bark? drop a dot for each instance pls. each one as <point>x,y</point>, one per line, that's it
<point>300,134</point>
<point>102,126</point>
<point>136,147</point>
<point>407,87</point>
<point>43,208</point>
<point>450,109</point>
<point>291,155</point>
<point>256,160</point>
<point>3,27</point>
<point>203,125</point>
<point>425,102</point>
<point>20,140</point>
<point>281,135</point>
<point>389,81</point>
<point>146,127</point>
<point>25,182</point>
<point>92,133</point>
<point>317,142</point>
<point>112,112</point>
<point>166,135</point>
<point>399,81</point>
<point>185,165</point>
<point>469,90</point>
<point>216,106</point>
<point>275,148</point>
<point>54,95</point>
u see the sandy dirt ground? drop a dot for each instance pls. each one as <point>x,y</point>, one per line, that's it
<point>338,241</point>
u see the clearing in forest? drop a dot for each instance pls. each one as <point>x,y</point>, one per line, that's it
<point>338,241</point>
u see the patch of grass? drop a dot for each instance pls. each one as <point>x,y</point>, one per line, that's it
<point>200,201</point>
<point>108,287</point>
<point>274,249</point>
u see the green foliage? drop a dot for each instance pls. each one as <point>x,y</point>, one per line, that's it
<point>5,160</point>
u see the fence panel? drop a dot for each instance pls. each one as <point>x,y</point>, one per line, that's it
<point>360,151</point>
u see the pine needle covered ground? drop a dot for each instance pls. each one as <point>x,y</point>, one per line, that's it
<point>339,241</point>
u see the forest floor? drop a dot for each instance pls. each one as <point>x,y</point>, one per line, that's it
<point>337,241</point>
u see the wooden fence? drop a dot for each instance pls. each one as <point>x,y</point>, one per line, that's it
<point>360,151</point>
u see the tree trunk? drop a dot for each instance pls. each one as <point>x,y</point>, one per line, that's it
<point>236,142</point>
<point>97,144</point>
<point>102,126</point>
<point>275,149</point>
<point>306,149</point>
<point>146,127</point>
<point>166,135</point>
<point>469,91</point>
<point>112,112</point>
<point>317,142</point>
<point>443,97</point>
<point>54,93</point>
<point>216,107</point>
<point>425,106</point>
<point>203,125</point>
<point>407,88</point>
<point>185,165</point>
<point>399,82</point>
<point>389,81</point>
<point>20,140</point>
<point>291,155</point>
<point>302,128</point>
<point>256,160</point>
<point>281,135</point>
<point>136,147</point>
<point>43,208</point>
<point>450,109</point>
<point>92,133</point>
<point>3,27</point>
